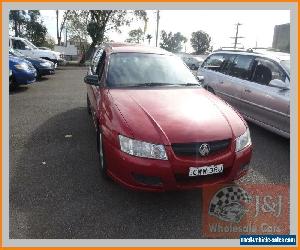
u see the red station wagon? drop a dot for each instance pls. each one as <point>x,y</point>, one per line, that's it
<point>157,128</point>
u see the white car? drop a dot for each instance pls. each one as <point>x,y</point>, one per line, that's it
<point>28,49</point>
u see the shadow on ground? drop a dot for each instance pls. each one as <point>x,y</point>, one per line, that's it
<point>58,192</point>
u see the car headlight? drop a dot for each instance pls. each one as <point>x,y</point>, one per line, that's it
<point>45,64</point>
<point>243,141</point>
<point>142,149</point>
<point>22,66</point>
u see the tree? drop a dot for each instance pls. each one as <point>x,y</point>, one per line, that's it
<point>59,28</point>
<point>17,20</point>
<point>28,24</point>
<point>200,42</point>
<point>102,21</point>
<point>35,30</point>
<point>142,14</point>
<point>135,36</point>
<point>172,43</point>
<point>76,24</point>
<point>49,42</point>
<point>149,37</point>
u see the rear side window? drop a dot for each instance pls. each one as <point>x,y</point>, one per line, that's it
<point>242,67</point>
<point>266,70</point>
<point>228,63</point>
<point>214,62</point>
<point>17,44</point>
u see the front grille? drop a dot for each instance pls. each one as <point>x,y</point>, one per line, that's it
<point>192,149</point>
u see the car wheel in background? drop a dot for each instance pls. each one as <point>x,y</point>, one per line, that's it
<point>12,85</point>
<point>210,90</point>
<point>193,67</point>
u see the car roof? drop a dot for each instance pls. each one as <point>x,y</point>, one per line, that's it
<point>111,48</point>
<point>274,55</point>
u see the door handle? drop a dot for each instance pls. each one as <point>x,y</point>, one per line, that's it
<point>248,90</point>
<point>221,82</point>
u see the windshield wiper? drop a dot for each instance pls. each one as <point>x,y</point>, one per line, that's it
<point>151,84</point>
<point>191,84</point>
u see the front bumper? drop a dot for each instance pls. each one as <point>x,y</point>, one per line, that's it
<point>24,77</point>
<point>159,175</point>
<point>46,71</point>
<point>61,62</point>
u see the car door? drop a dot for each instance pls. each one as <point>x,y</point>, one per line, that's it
<point>267,104</point>
<point>218,78</point>
<point>210,70</point>
<point>237,74</point>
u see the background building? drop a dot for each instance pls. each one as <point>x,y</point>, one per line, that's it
<point>281,38</point>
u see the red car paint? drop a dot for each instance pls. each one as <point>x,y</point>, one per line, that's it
<point>165,116</point>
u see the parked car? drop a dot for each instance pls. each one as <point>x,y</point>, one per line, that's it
<point>257,83</point>
<point>28,49</point>
<point>43,67</point>
<point>156,127</point>
<point>192,62</point>
<point>22,72</point>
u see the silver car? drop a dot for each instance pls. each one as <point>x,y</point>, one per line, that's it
<point>257,83</point>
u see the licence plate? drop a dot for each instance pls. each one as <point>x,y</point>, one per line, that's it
<point>206,170</point>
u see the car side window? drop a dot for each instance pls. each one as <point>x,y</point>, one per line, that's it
<point>95,60</point>
<point>17,44</point>
<point>214,62</point>
<point>228,63</point>
<point>242,67</point>
<point>266,70</point>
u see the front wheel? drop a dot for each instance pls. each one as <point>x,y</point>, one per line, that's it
<point>101,155</point>
<point>88,104</point>
<point>12,85</point>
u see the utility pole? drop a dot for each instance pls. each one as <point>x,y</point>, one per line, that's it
<point>236,37</point>
<point>157,25</point>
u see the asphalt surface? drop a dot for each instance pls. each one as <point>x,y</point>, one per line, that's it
<point>56,190</point>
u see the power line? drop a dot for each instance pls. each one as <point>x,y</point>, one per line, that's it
<point>236,37</point>
<point>157,26</point>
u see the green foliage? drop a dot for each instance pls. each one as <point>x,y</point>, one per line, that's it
<point>28,24</point>
<point>135,36</point>
<point>35,30</point>
<point>149,37</point>
<point>17,19</point>
<point>172,42</point>
<point>200,42</point>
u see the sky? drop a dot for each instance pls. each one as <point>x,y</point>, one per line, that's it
<point>257,25</point>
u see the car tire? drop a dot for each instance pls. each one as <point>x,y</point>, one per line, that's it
<point>88,105</point>
<point>12,85</point>
<point>210,90</point>
<point>101,155</point>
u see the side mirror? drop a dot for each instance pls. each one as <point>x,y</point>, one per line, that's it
<point>27,47</point>
<point>92,80</point>
<point>200,78</point>
<point>279,84</point>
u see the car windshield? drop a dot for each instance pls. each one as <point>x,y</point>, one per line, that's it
<point>29,44</point>
<point>15,53</point>
<point>141,69</point>
<point>286,64</point>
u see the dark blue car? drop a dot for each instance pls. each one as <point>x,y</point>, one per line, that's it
<point>43,67</point>
<point>21,72</point>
